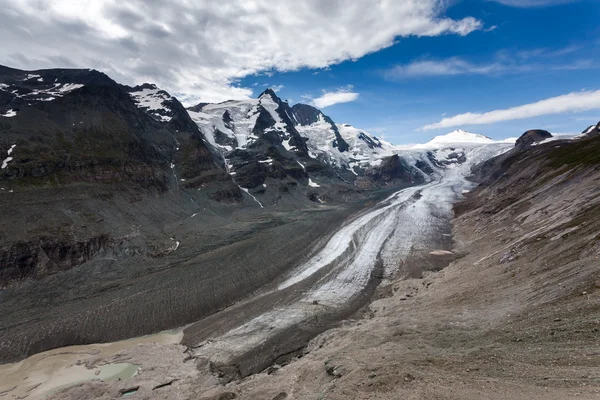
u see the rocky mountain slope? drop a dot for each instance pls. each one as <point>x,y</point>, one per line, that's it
<point>111,193</point>
<point>241,127</point>
<point>125,214</point>
<point>592,131</point>
<point>514,315</point>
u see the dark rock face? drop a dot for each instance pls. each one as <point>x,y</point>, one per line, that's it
<point>423,166</point>
<point>197,107</point>
<point>372,143</point>
<point>592,131</point>
<point>395,169</point>
<point>307,115</point>
<point>228,195</point>
<point>532,136</point>
<point>97,136</point>
<point>265,123</point>
<point>25,87</point>
<point>45,256</point>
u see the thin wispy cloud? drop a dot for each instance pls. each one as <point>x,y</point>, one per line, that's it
<point>572,102</point>
<point>533,3</point>
<point>503,62</point>
<point>342,95</point>
<point>199,48</point>
<point>547,52</point>
<point>446,67</point>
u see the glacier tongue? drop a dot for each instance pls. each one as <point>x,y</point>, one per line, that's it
<point>410,220</point>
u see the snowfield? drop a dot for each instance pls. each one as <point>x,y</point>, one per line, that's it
<point>152,99</point>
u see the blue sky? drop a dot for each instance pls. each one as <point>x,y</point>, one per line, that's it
<point>521,56</point>
<point>406,69</point>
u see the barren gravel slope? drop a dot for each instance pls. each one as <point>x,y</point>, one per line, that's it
<point>517,317</point>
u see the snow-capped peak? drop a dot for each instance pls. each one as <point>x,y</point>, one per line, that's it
<point>460,136</point>
<point>270,94</point>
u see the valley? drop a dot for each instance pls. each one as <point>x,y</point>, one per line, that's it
<point>254,249</point>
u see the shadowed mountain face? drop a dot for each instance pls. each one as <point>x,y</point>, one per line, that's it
<point>533,136</point>
<point>78,139</point>
<point>592,131</point>
<point>78,125</point>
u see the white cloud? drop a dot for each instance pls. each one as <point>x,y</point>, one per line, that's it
<point>199,48</point>
<point>572,102</point>
<point>447,67</point>
<point>503,62</point>
<point>342,95</point>
<point>277,88</point>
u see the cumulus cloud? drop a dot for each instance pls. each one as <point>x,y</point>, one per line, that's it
<point>572,102</point>
<point>200,48</point>
<point>342,95</point>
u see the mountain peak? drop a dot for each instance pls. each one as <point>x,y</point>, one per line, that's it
<point>269,92</point>
<point>460,136</point>
<point>533,136</point>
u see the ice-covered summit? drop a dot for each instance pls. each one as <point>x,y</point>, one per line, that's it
<point>460,136</point>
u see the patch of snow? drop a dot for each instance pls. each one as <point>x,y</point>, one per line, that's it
<point>69,87</point>
<point>366,150</point>
<point>271,106</point>
<point>175,246</point>
<point>253,197</point>
<point>9,158</point>
<point>548,140</point>
<point>286,144</point>
<point>152,100</point>
<point>243,114</point>
<point>312,184</point>
<point>51,92</point>
<point>9,113</point>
